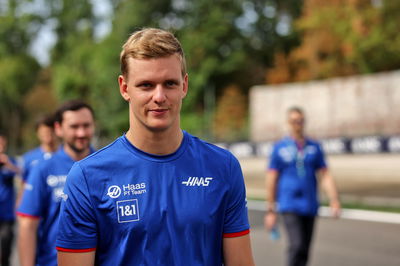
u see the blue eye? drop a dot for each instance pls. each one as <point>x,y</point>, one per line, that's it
<point>146,85</point>
<point>171,83</point>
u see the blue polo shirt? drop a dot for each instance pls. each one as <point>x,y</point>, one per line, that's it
<point>136,208</point>
<point>32,158</point>
<point>7,193</point>
<point>41,199</point>
<point>297,188</point>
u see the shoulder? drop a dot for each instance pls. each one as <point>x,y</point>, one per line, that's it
<point>108,152</point>
<point>208,149</point>
<point>47,164</point>
<point>283,142</point>
<point>314,143</point>
<point>31,154</point>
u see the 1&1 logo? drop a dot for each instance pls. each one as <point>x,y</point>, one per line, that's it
<point>114,191</point>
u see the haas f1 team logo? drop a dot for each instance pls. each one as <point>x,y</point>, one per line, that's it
<point>197,181</point>
<point>114,192</point>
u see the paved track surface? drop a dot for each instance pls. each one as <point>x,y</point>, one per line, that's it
<point>371,178</point>
<point>337,242</point>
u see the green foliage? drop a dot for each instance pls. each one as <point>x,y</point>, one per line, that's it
<point>341,37</point>
<point>18,69</point>
<point>218,51</point>
<point>231,115</point>
<point>226,42</point>
<point>16,77</point>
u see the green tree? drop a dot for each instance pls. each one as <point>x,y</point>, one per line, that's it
<point>72,52</point>
<point>339,38</point>
<point>18,69</point>
<point>226,42</point>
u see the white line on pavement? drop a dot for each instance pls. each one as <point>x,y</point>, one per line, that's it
<point>353,214</point>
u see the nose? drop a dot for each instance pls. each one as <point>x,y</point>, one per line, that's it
<point>81,132</point>
<point>159,94</point>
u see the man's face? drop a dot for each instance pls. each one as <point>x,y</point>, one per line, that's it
<point>46,135</point>
<point>296,122</point>
<point>76,129</point>
<point>155,89</point>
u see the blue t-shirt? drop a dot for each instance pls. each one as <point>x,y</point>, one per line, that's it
<point>32,158</point>
<point>136,208</point>
<point>41,199</point>
<point>7,193</point>
<point>297,182</point>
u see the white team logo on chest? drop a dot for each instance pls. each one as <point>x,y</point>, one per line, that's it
<point>128,211</point>
<point>57,182</point>
<point>197,181</point>
<point>114,192</point>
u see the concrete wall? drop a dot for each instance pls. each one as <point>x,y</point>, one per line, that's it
<point>349,107</point>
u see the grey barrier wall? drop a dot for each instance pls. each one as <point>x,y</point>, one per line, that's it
<point>367,105</point>
<point>360,145</point>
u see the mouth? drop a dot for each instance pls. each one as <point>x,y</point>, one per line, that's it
<point>82,140</point>
<point>159,111</point>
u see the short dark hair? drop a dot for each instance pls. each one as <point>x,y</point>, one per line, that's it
<point>45,120</point>
<point>295,109</point>
<point>71,105</point>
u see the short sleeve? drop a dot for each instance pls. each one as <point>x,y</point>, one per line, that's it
<point>236,218</point>
<point>35,192</point>
<point>77,226</point>
<point>25,169</point>
<point>26,165</point>
<point>274,162</point>
<point>321,163</point>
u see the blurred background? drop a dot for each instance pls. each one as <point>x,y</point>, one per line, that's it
<point>54,50</point>
<point>248,61</point>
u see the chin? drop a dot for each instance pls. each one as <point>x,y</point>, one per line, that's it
<point>158,127</point>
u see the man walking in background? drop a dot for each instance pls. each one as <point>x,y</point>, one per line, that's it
<point>48,145</point>
<point>39,209</point>
<point>157,195</point>
<point>296,165</point>
<point>8,170</point>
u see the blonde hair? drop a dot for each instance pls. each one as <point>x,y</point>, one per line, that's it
<point>151,43</point>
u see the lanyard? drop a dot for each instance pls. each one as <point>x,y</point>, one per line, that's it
<point>300,154</point>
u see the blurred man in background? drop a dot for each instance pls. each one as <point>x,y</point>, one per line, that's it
<point>48,145</point>
<point>39,209</point>
<point>8,170</point>
<point>295,165</point>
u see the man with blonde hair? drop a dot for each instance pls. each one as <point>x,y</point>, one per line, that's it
<point>157,195</point>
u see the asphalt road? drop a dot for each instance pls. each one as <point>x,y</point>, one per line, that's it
<point>337,242</point>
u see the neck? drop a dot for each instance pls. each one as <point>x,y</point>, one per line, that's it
<point>158,143</point>
<point>298,136</point>
<point>75,155</point>
<point>49,147</point>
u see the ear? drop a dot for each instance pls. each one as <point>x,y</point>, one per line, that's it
<point>123,87</point>
<point>185,85</point>
<point>57,129</point>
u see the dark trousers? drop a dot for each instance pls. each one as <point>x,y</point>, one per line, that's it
<point>6,238</point>
<point>299,231</point>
